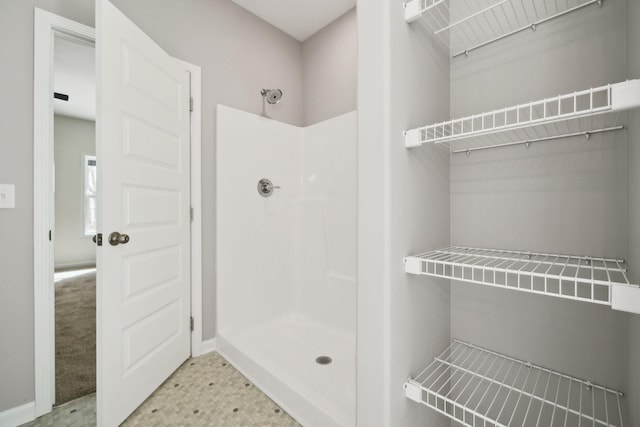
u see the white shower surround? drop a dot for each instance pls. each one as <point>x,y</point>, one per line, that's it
<point>286,265</point>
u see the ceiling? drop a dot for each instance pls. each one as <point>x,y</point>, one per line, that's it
<point>298,18</point>
<point>75,75</point>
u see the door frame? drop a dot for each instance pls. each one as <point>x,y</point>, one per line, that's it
<point>46,25</point>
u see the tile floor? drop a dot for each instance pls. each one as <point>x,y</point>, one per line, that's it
<point>77,413</point>
<point>205,391</point>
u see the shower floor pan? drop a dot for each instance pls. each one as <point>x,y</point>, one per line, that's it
<point>279,356</point>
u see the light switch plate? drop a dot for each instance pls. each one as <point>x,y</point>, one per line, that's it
<point>7,196</point>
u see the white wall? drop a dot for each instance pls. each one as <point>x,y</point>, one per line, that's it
<point>403,208</point>
<point>293,252</point>
<point>555,197</point>
<point>330,70</point>
<point>74,138</point>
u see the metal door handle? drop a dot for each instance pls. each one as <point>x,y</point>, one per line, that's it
<point>116,239</point>
<point>266,187</point>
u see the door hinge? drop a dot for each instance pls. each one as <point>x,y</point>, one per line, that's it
<point>191,323</point>
<point>191,213</point>
<point>49,235</point>
<point>190,104</point>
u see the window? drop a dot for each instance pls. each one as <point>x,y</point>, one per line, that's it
<point>89,195</point>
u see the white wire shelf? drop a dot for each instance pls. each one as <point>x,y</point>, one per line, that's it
<point>479,387</point>
<point>583,113</point>
<point>595,280</point>
<point>464,26</point>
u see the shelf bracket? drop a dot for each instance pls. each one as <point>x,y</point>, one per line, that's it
<point>412,138</point>
<point>625,298</point>
<point>412,10</point>
<point>412,265</point>
<point>625,95</point>
<point>413,390</point>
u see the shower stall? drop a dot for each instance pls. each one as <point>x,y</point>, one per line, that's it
<point>286,251</point>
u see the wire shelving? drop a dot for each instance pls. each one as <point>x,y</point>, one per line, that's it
<point>585,113</point>
<point>476,386</point>
<point>479,387</point>
<point>595,280</point>
<point>463,27</point>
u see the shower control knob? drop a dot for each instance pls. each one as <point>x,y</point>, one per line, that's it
<point>266,187</point>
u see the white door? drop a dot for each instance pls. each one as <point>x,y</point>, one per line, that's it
<point>143,288</point>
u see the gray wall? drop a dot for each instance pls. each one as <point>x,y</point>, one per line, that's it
<point>16,225</point>
<point>559,197</point>
<point>633,214</point>
<point>419,207</point>
<point>74,138</point>
<point>239,54</point>
<point>329,70</point>
<point>403,208</point>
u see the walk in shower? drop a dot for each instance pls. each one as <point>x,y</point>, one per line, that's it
<point>286,251</point>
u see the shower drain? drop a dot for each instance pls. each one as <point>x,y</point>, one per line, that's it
<point>323,360</point>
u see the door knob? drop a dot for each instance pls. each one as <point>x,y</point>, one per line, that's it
<point>116,238</point>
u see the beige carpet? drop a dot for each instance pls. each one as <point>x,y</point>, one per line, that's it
<point>75,337</point>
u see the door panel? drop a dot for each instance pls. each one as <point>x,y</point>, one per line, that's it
<point>151,207</point>
<point>143,190</point>
<point>150,144</point>
<point>147,272</point>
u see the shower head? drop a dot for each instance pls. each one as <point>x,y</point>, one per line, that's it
<point>272,96</point>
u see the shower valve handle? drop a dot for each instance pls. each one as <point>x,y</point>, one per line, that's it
<point>266,187</point>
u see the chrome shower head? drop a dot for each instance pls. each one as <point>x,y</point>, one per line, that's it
<point>272,96</point>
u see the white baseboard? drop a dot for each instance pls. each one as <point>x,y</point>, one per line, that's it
<point>19,415</point>
<point>75,266</point>
<point>208,346</point>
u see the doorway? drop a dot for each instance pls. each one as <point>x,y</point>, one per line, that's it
<point>75,195</point>
<point>47,26</point>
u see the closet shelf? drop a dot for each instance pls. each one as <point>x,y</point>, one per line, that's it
<point>463,27</point>
<point>584,113</point>
<point>596,280</point>
<point>479,387</point>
